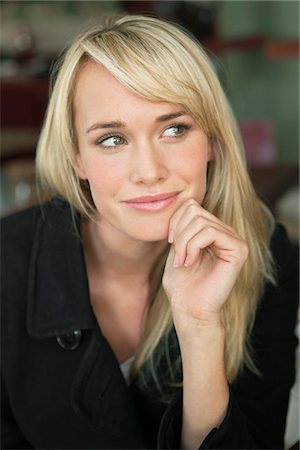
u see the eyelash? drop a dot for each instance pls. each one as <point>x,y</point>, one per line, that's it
<point>108,136</point>
<point>184,126</point>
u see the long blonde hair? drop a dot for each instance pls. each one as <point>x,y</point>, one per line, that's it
<point>161,62</point>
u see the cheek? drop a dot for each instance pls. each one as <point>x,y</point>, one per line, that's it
<point>104,178</point>
<point>193,167</point>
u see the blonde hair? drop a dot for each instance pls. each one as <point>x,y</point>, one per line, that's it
<point>161,62</point>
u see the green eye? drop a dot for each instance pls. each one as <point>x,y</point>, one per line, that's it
<point>176,130</point>
<point>111,141</point>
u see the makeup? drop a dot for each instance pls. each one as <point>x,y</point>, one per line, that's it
<point>153,202</point>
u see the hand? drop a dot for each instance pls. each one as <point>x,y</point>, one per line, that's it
<point>205,259</point>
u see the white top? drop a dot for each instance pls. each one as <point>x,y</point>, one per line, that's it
<point>125,368</point>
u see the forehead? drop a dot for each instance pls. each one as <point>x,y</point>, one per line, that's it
<point>93,78</point>
<point>99,94</point>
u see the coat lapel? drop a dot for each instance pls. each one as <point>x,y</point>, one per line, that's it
<point>58,305</point>
<point>58,293</point>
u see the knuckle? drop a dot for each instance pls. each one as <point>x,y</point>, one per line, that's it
<point>192,204</point>
<point>191,249</point>
<point>199,220</point>
<point>189,246</point>
<point>209,230</point>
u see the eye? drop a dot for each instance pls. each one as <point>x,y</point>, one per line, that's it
<point>176,130</point>
<point>111,141</point>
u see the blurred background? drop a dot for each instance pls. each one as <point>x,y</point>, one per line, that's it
<point>253,44</point>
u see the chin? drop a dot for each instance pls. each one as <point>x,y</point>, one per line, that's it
<point>152,234</point>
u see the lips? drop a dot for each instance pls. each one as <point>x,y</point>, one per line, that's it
<point>152,203</point>
<point>152,198</point>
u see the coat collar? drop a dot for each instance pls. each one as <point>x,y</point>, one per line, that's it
<point>58,292</point>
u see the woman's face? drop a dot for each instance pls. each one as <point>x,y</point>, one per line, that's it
<point>142,159</point>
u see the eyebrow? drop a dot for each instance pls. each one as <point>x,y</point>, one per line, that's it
<point>119,124</point>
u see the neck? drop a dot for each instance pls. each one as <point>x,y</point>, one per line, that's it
<point>117,256</point>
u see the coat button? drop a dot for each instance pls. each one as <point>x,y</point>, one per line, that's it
<point>70,341</point>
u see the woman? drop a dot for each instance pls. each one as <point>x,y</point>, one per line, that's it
<point>151,303</point>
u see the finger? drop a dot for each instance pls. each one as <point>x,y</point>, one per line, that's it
<point>194,227</point>
<point>226,247</point>
<point>185,214</point>
<point>182,215</point>
<point>208,215</point>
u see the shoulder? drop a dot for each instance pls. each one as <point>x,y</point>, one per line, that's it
<point>285,255</point>
<point>17,234</point>
<point>21,224</point>
<point>19,221</point>
<point>21,231</point>
<point>279,303</point>
<point>27,237</point>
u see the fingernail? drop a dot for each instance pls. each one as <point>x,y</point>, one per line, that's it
<point>171,237</point>
<point>187,261</point>
<point>176,261</point>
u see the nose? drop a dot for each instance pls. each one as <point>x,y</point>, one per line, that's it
<point>147,164</point>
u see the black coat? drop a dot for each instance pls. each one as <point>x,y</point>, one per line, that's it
<point>62,385</point>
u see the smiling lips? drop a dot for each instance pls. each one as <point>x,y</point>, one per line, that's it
<point>153,202</point>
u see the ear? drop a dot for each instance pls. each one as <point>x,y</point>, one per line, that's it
<point>210,153</point>
<point>79,167</point>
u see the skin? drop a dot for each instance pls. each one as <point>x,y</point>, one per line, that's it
<point>149,156</point>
